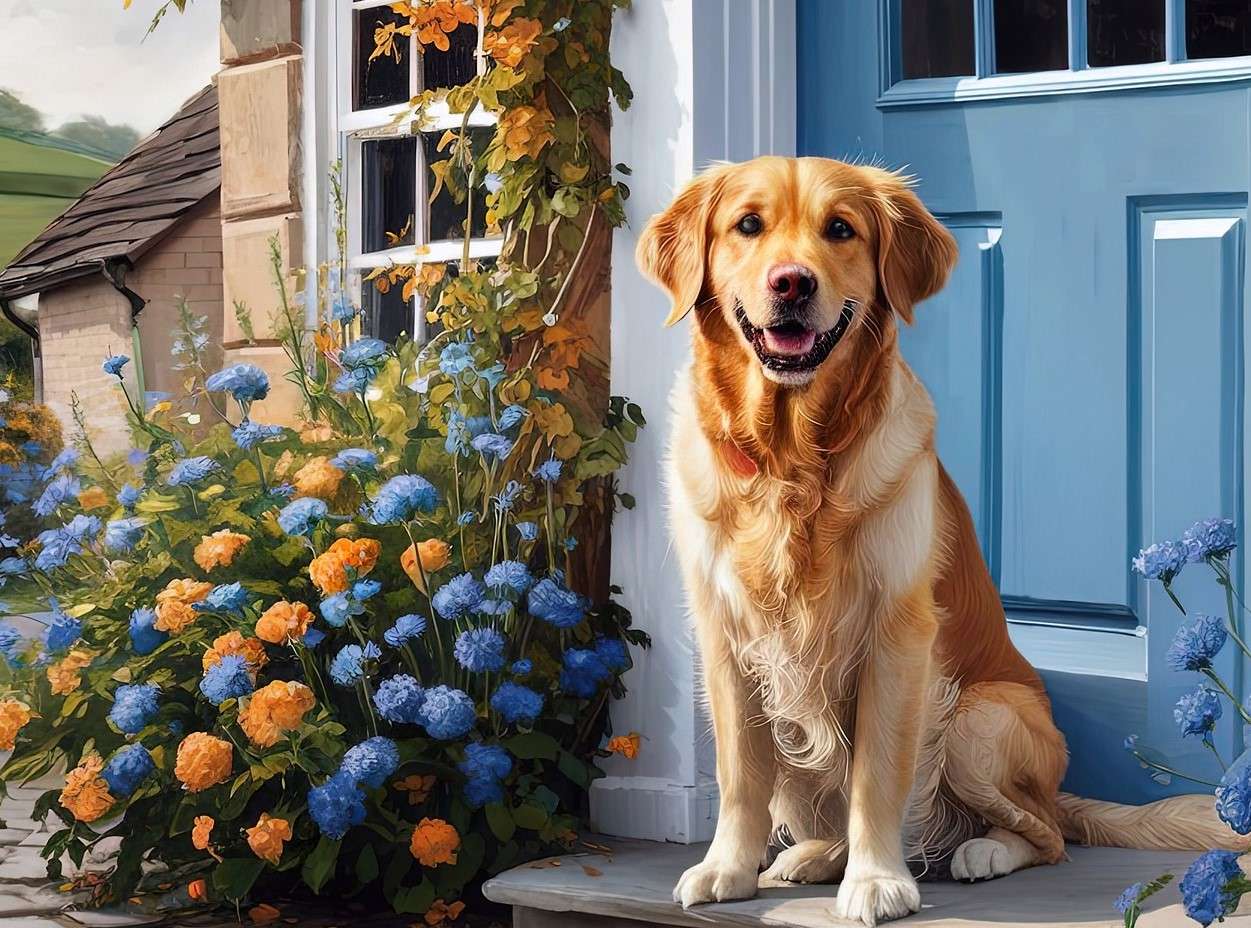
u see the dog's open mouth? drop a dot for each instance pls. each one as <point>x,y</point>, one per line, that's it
<point>791,346</point>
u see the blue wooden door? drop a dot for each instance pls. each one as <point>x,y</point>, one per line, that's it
<point>1092,159</point>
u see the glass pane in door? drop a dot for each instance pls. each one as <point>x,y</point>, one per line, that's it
<point>1031,35</point>
<point>937,38</point>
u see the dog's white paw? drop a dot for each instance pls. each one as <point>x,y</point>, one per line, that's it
<point>715,881</point>
<point>809,862</point>
<point>879,897</point>
<point>980,859</point>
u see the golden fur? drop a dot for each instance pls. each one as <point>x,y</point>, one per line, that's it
<point>866,699</point>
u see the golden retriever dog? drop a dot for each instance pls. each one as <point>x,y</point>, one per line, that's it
<point>868,706</point>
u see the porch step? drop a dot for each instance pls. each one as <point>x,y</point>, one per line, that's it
<point>630,886</point>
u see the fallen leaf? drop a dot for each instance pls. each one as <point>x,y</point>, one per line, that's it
<point>591,871</point>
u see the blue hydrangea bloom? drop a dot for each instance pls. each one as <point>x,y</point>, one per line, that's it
<point>337,608</point>
<point>455,359</point>
<point>511,415</point>
<point>405,629</point>
<point>144,638</point>
<point>1203,886</point>
<point>249,434</point>
<point>355,459</point>
<point>245,382</point>
<point>612,652</point>
<point>549,470</point>
<point>127,769</point>
<point>489,761</point>
<point>528,531</point>
<point>494,607</point>
<point>522,667</point>
<point>354,381</point>
<point>114,363</point>
<point>492,445</point>
<point>301,516</point>
<point>348,668</point>
<point>481,791</point>
<point>1233,795</point>
<point>133,707</point>
<point>1196,644</point>
<point>225,597</point>
<point>480,650</point>
<point>510,575</point>
<point>1128,899</point>
<point>123,534</point>
<point>399,699</point>
<point>1196,712</point>
<point>128,495</point>
<point>313,637</point>
<point>447,713</point>
<point>11,643</point>
<point>63,632</point>
<point>516,703</point>
<point>371,761</point>
<point>364,352</point>
<point>337,805</point>
<point>61,489</point>
<point>56,546</point>
<point>229,678</point>
<point>459,596</point>
<point>1209,538</point>
<point>365,589</point>
<point>190,471</point>
<point>403,497</point>
<point>1161,561</point>
<point>556,604</point>
<point>582,672</point>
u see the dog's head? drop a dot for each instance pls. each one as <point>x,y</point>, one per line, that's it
<point>791,254</point>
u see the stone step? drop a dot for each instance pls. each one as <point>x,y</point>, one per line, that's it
<point>631,886</point>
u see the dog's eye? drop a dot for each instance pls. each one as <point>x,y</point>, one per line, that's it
<point>750,225</point>
<point>838,229</point>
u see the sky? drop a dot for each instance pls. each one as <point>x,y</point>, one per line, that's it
<point>68,58</point>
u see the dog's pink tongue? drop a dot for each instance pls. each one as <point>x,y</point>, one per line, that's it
<point>789,342</point>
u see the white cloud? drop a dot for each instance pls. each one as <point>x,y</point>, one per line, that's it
<point>69,58</point>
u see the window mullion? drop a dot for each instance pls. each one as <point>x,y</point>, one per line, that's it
<point>1174,30</point>
<point>984,36</point>
<point>1077,35</point>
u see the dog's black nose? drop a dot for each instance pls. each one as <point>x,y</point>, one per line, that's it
<point>792,282</point>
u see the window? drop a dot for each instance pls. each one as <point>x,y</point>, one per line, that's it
<point>388,175</point>
<point>937,38</point>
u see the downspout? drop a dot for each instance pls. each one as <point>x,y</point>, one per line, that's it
<point>114,271</point>
<point>6,310</point>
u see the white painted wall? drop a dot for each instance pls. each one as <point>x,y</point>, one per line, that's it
<point>712,79</point>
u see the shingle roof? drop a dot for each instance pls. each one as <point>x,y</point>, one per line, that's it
<point>131,207</point>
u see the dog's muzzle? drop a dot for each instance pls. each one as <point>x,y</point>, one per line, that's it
<point>822,343</point>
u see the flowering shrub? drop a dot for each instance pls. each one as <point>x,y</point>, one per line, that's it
<point>1213,884</point>
<point>30,440</point>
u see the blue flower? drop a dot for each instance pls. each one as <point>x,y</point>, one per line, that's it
<point>136,457</point>
<point>1197,711</point>
<point>549,470</point>
<point>348,668</point>
<point>399,699</point>
<point>516,703</point>
<point>494,607</point>
<point>63,633</point>
<point>480,650</point>
<point>13,567</point>
<point>481,791</point>
<point>365,589</point>
<point>55,549</point>
<point>127,769</point>
<point>1233,796</point>
<point>612,652</point>
<point>354,381</point>
<point>341,308</point>
<point>455,359</point>
<point>249,434</point>
<point>494,375</point>
<point>492,445</point>
<point>458,596</point>
<point>569,543</point>
<point>355,459</point>
<point>1209,538</point>
<point>522,667</point>
<point>1128,899</point>
<point>225,597</point>
<point>245,382</point>
<point>64,462</point>
<point>337,805</point>
<point>82,528</point>
<point>144,637</point>
<point>123,534</point>
<point>113,364</point>
<point>528,531</point>
<point>507,497</point>
<point>512,575</point>
<point>364,352</point>
<point>466,518</point>
<point>556,604</point>
<point>128,495</point>
<point>11,643</point>
<point>62,489</point>
<point>486,761</point>
<point>301,516</point>
<point>133,707</point>
<point>1195,645</point>
<point>511,415</point>
<point>582,673</point>
<point>337,608</point>
<point>1204,896</point>
<point>447,713</point>
<point>190,471</point>
<point>1161,561</point>
<point>405,629</point>
<point>403,497</point>
<point>371,761</point>
<point>229,678</point>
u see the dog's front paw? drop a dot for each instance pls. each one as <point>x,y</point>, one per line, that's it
<point>980,859</point>
<point>878,897</point>
<point>715,880</point>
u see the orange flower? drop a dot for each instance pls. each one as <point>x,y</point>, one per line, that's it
<point>263,914</point>
<point>219,549</point>
<point>186,591</point>
<point>434,842</point>
<point>275,709</point>
<point>250,649</point>
<point>202,833</point>
<point>173,604</point>
<point>416,786</point>
<point>203,761</point>
<point>435,555</point>
<point>318,477</point>
<point>328,571</point>
<point>312,434</point>
<point>197,891</point>
<point>63,675</point>
<point>440,912</point>
<point>266,837</point>
<point>14,714</point>
<point>284,622</point>
<point>511,44</point>
<point>93,498</point>
<point>625,745</point>
<point>86,795</point>
<point>524,131</point>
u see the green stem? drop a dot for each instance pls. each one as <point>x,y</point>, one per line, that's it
<point>1215,753</point>
<point>1211,675</point>
<point>1171,771</point>
<point>363,692</point>
<point>1168,588</point>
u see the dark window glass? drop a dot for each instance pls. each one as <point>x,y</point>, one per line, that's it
<point>937,38</point>
<point>447,216</point>
<point>389,192</point>
<point>1124,32</point>
<point>455,66</point>
<point>1218,28</point>
<point>1031,35</point>
<point>383,81</point>
<point>387,315</point>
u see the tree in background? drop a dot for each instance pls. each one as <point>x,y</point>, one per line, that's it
<point>14,114</point>
<point>99,133</point>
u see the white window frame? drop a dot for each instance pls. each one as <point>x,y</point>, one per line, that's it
<point>350,128</point>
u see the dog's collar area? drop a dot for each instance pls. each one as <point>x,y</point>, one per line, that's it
<point>824,343</point>
<point>739,460</point>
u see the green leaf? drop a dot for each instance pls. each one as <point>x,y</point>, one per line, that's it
<point>414,899</point>
<point>235,876</point>
<point>319,864</point>
<point>528,815</point>
<point>501,821</point>
<point>533,746</point>
<point>574,769</point>
<point>367,864</point>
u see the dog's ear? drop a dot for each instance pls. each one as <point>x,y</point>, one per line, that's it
<point>915,252</point>
<point>673,248</point>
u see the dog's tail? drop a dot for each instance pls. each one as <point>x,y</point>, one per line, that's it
<point>1179,823</point>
